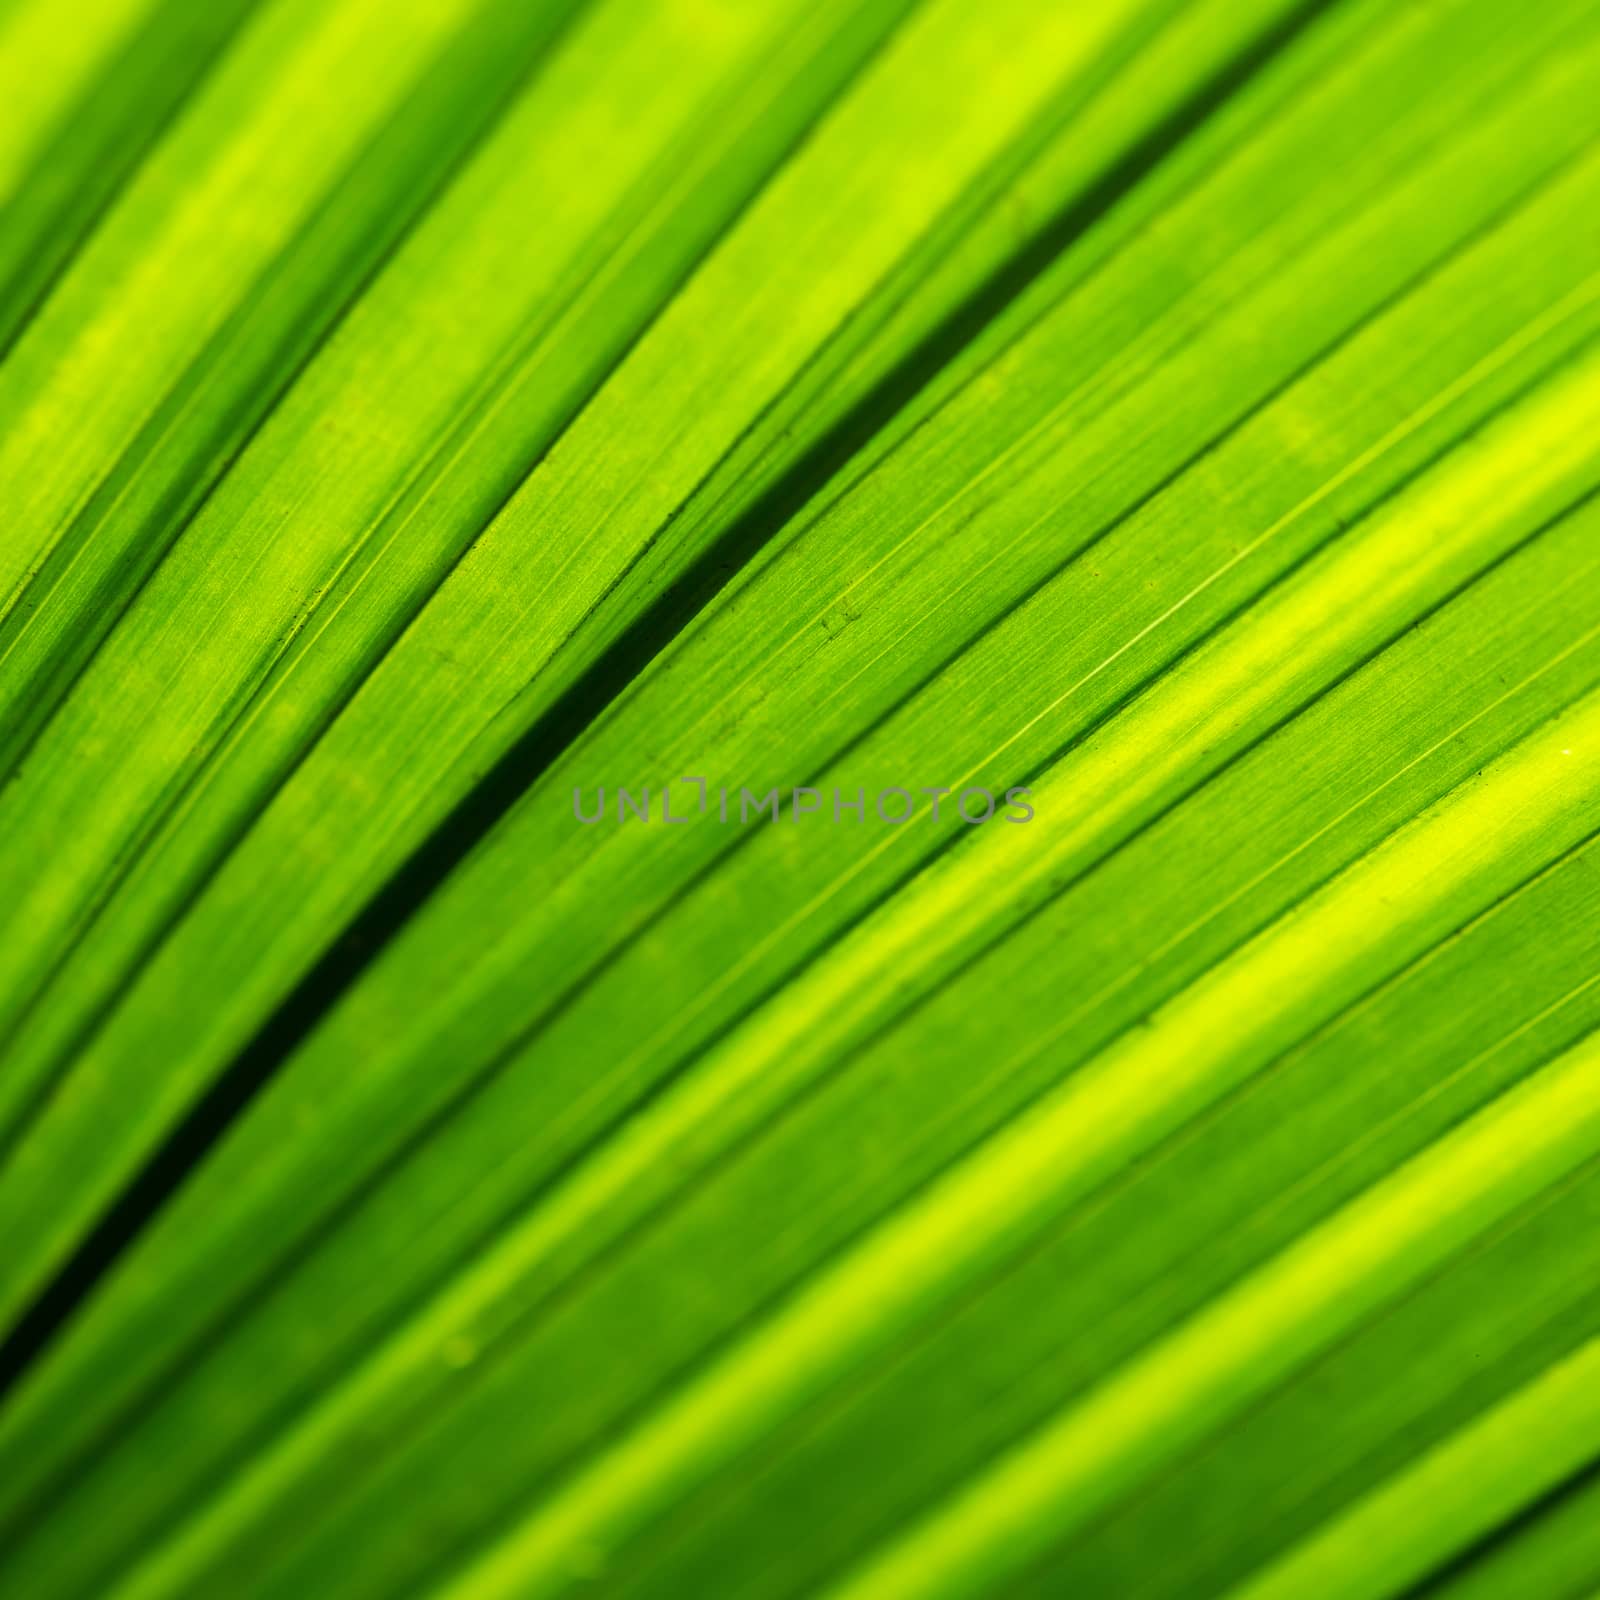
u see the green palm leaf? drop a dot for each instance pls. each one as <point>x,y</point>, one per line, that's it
<point>427,429</point>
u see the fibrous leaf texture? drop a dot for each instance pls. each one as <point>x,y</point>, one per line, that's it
<point>800,798</point>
